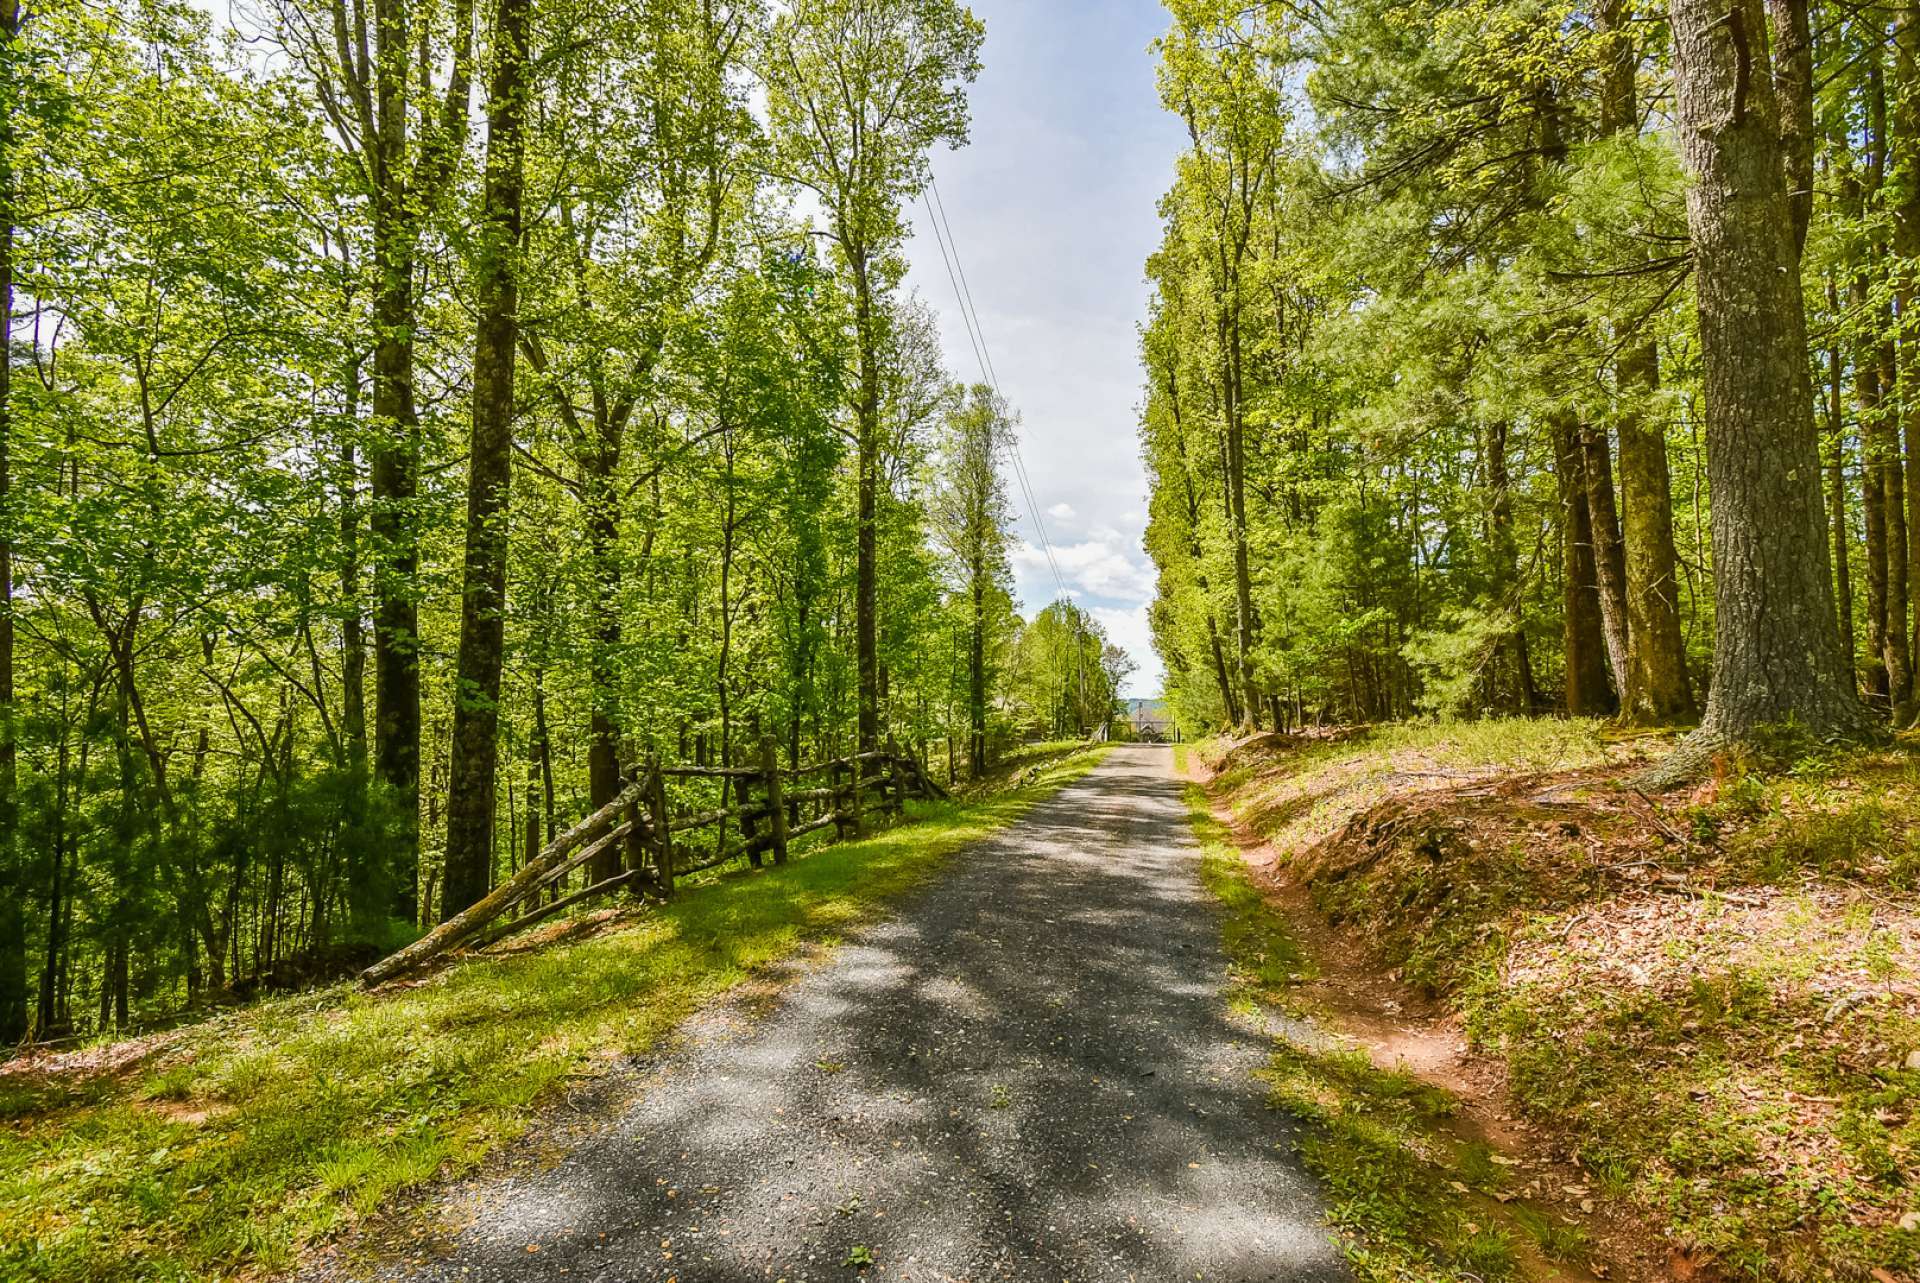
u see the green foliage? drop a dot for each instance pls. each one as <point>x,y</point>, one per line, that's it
<point>1404,249</point>
<point>211,527</point>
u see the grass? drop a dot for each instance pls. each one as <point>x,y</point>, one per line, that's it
<point>1713,999</point>
<point>1767,1125</point>
<point>267,1128</point>
<point>1515,743</point>
<point>1376,1139</point>
<point>1297,793</point>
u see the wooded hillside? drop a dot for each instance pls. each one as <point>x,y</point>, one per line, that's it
<point>420,415</point>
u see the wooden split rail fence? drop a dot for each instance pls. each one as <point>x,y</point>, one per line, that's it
<point>657,842</point>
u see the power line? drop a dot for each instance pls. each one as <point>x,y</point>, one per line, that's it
<point>976,336</point>
<point>965,288</point>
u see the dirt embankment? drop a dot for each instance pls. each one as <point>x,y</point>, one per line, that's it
<point>1690,1021</point>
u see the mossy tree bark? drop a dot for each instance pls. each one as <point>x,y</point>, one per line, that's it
<point>476,708</point>
<point>1655,690</point>
<point>1587,693</point>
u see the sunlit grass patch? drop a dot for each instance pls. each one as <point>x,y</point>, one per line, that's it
<point>267,1127</point>
<point>1375,1138</point>
<point>1301,790</point>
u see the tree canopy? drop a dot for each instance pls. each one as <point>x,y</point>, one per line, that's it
<point>420,415</point>
<point>1466,393</point>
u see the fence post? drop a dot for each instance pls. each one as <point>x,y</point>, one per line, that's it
<point>776,809</point>
<point>856,792</point>
<point>662,839</point>
<point>749,827</point>
<point>898,777</point>
<point>635,855</point>
<point>833,803</point>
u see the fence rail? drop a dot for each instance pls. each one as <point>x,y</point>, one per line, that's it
<point>770,816</point>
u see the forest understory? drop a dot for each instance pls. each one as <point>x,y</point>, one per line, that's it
<point>1550,1025</point>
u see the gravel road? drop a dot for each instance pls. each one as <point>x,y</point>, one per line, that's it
<point>1029,1074</point>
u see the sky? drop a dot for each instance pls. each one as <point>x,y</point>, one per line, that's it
<point>1054,207</point>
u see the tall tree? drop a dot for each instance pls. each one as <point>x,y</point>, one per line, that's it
<point>1777,657</point>
<point>971,516</point>
<point>471,798</point>
<point>858,93</point>
<point>1655,689</point>
<point>1215,75</point>
<point>375,65</point>
<point>13,888</point>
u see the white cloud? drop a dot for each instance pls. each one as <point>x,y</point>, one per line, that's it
<point>1095,567</point>
<point>1062,511</point>
<point>1128,630</point>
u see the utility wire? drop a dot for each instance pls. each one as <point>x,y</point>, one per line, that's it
<point>977,337</point>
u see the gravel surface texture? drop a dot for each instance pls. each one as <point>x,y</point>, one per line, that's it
<point>1030,1073</point>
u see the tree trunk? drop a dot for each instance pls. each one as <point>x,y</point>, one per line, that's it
<point>1228,700</point>
<point>1658,690</point>
<point>1655,690</point>
<point>1587,693</point>
<point>476,710</point>
<point>1793,85</point>
<point>1245,624</point>
<point>603,734</point>
<point>867,433</point>
<point>1837,487</point>
<point>1893,493</point>
<point>1905,139</point>
<point>1502,580</point>
<point>369,894</point>
<point>1609,557</point>
<point>394,458</point>
<point>977,678</point>
<point>353,637</point>
<point>1777,657</point>
<point>1870,403</point>
<point>13,871</point>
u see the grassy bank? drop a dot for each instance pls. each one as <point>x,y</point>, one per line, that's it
<point>1414,1201</point>
<point>241,1139</point>
<point>1710,1000</point>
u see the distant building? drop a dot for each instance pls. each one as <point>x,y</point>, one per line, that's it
<point>1149,720</point>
